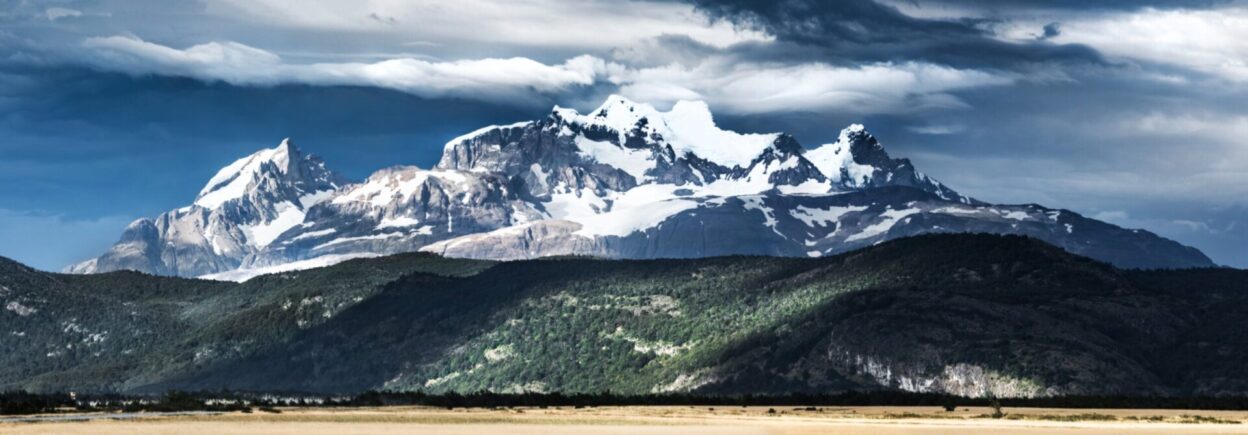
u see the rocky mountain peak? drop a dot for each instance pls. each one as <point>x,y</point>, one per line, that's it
<point>688,128</point>
<point>625,180</point>
<point>282,171</point>
<point>857,160</point>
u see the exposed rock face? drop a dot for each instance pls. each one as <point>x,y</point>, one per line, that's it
<point>623,181</point>
<point>239,212</point>
<point>857,161</point>
<point>820,225</point>
<point>400,209</point>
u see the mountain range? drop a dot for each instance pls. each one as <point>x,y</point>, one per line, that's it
<point>967,314</point>
<point>624,181</point>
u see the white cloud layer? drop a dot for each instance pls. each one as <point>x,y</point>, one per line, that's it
<point>745,87</point>
<point>546,23</point>
<point>733,86</point>
<point>54,14</point>
<point>239,64</point>
<point>1213,41</point>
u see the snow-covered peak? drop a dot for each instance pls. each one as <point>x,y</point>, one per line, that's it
<point>285,146</point>
<point>688,128</point>
<point>285,164</point>
<point>837,161</point>
<point>480,131</point>
<point>232,181</point>
<point>857,160</point>
<point>617,113</point>
<point>853,130</point>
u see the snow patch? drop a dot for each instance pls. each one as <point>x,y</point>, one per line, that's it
<point>633,162</point>
<point>480,131</point>
<point>956,211</point>
<point>769,215</point>
<point>637,209</point>
<point>808,187</point>
<point>1014,214</point>
<point>261,235</point>
<point>396,184</point>
<point>240,275</point>
<point>887,220</point>
<point>312,234</point>
<point>398,222</point>
<point>231,182</point>
<point>688,128</point>
<point>315,198</point>
<point>821,217</point>
<point>540,174</point>
<point>836,160</point>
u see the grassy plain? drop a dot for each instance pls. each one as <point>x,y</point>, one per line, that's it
<point>661,420</point>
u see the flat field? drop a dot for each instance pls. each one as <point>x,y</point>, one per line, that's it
<point>652,420</point>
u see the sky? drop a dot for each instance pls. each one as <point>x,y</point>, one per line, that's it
<point>1133,112</point>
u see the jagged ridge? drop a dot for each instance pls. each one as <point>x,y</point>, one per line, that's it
<point>624,181</point>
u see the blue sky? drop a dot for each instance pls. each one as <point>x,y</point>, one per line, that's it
<point>1131,112</point>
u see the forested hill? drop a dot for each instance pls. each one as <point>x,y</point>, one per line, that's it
<point>966,314</point>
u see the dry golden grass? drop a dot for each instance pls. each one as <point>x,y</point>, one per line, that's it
<point>661,420</point>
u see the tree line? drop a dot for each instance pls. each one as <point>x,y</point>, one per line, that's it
<point>21,402</point>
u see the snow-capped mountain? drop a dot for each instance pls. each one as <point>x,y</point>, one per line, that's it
<point>241,210</point>
<point>624,181</point>
<point>857,161</point>
<point>399,209</point>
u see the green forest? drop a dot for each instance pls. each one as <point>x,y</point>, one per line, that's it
<point>963,315</point>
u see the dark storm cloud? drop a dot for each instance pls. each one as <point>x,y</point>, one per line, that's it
<point>1051,30</point>
<point>1073,5</point>
<point>864,30</point>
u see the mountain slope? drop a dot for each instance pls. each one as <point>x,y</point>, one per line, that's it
<point>857,161</point>
<point>240,211</point>
<point>122,330</point>
<point>957,313</point>
<point>623,181</point>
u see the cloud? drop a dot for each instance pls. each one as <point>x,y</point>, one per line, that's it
<point>747,88</point>
<point>1126,105</point>
<point>238,64</point>
<point>990,8</point>
<point>937,129</point>
<point>229,61</point>
<point>1227,128</point>
<point>547,23</point>
<point>1191,225</point>
<point>54,14</point>
<point>867,30</point>
<point>1206,148</point>
<point>736,86</point>
<point>1116,216</point>
<point>1213,42</point>
<point>1051,31</point>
